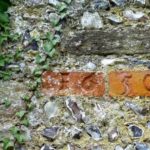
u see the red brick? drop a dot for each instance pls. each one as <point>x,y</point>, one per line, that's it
<point>73,83</point>
<point>129,83</point>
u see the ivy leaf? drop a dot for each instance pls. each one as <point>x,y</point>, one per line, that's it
<point>39,59</point>
<point>58,28</point>
<point>20,138</point>
<point>37,71</point>
<point>14,130</point>
<point>54,21</point>
<point>63,14</point>
<point>30,106</point>
<point>52,53</point>
<point>21,114</point>
<point>38,80</point>
<point>4,4</point>
<point>48,46</point>
<point>4,18</point>
<point>7,103</point>
<point>2,61</point>
<point>32,86</point>
<point>49,36</point>
<point>5,75</point>
<point>8,144</point>
<point>61,7</point>
<point>26,98</point>
<point>17,55</point>
<point>25,122</point>
<point>9,59</point>
<point>56,40</point>
<point>14,37</point>
<point>2,39</point>
<point>67,1</point>
<point>45,66</point>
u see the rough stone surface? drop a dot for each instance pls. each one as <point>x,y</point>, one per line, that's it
<point>105,42</point>
<point>114,45</point>
<point>12,91</point>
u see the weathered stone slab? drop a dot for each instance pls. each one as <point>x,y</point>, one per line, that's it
<point>104,42</point>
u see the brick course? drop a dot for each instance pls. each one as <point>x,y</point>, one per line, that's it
<point>123,83</point>
<point>73,83</point>
<point>129,83</point>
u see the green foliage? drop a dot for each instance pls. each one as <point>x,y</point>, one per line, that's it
<point>40,59</point>
<point>62,8</point>
<point>8,144</point>
<point>4,21</point>
<point>4,4</point>
<point>51,43</point>
<point>30,106</point>
<point>18,135</point>
<point>54,21</point>
<point>67,1</point>
<point>4,18</point>
<point>7,103</point>
<point>5,75</point>
<point>5,60</point>
<point>32,86</point>
<point>26,98</point>
<point>20,114</point>
<point>25,122</point>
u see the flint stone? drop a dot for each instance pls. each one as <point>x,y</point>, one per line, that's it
<point>53,2</point>
<point>148,124</point>
<point>142,146</point>
<point>118,147</point>
<point>117,41</point>
<point>73,147</point>
<point>95,148</point>
<point>130,15</point>
<point>140,2</point>
<point>145,3</point>
<point>51,132</point>
<point>94,132</point>
<point>136,131</point>
<point>130,147</point>
<point>47,147</point>
<point>35,2</point>
<point>50,109</point>
<point>91,20</point>
<point>113,135</point>
<point>119,2</point>
<point>114,19</point>
<point>100,4</point>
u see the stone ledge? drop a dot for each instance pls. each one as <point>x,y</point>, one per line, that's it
<point>105,42</point>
